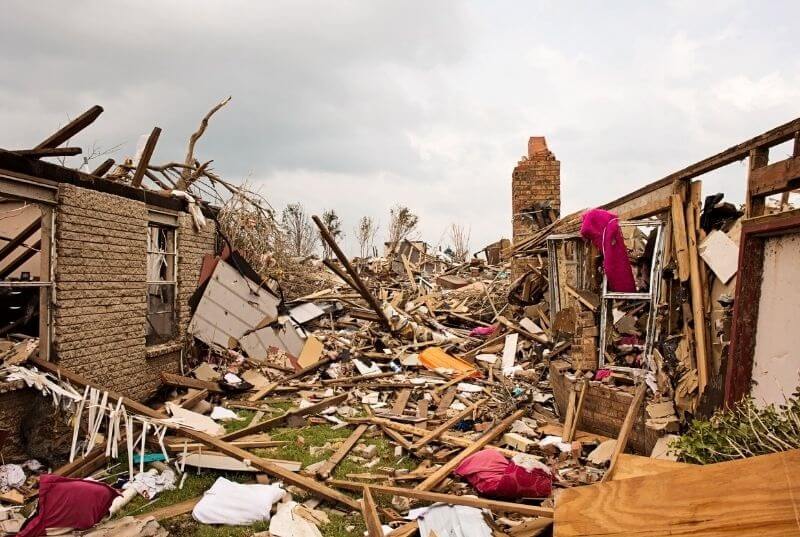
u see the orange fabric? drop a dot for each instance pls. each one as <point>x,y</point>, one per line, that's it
<point>435,357</point>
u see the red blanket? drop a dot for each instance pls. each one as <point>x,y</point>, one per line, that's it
<point>491,474</point>
<point>68,503</point>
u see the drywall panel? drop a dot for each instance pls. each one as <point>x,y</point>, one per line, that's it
<point>776,362</point>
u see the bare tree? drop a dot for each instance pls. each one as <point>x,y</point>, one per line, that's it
<point>459,239</point>
<point>365,235</point>
<point>402,223</point>
<point>301,233</point>
<point>334,225</point>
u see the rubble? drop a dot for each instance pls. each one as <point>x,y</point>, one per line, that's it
<point>504,390</point>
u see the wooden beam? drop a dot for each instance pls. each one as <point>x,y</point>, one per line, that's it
<point>144,160</point>
<point>757,496</point>
<point>274,422</point>
<point>679,239</point>
<point>325,471</point>
<point>195,398</point>
<point>476,446</point>
<point>754,204</point>
<point>170,379</point>
<point>399,406</point>
<point>698,301</point>
<point>625,430</point>
<point>104,167</point>
<point>340,273</point>
<point>216,444</point>
<point>72,128</point>
<point>370,512</point>
<point>360,285</point>
<point>272,386</point>
<point>20,239</point>
<point>14,264</point>
<point>171,511</point>
<point>576,416</point>
<point>450,499</point>
<point>775,178</point>
<point>50,152</point>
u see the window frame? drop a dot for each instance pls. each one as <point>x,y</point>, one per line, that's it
<point>168,223</point>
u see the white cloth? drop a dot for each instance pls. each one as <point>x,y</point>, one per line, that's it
<point>224,414</point>
<point>450,521</point>
<point>150,483</point>
<point>235,504</point>
<point>11,475</point>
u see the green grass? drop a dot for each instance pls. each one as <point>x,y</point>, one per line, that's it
<point>299,439</point>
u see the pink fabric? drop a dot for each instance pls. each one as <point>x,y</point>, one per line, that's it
<point>68,503</point>
<point>600,374</point>
<point>491,474</point>
<point>602,228</point>
<point>483,331</point>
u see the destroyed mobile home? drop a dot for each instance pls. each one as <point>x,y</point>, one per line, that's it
<point>154,328</point>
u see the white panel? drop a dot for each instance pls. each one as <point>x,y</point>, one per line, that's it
<point>776,361</point>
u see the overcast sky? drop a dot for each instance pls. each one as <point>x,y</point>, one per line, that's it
<point>357,106</point>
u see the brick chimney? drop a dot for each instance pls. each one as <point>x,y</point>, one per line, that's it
<point>535,185</point>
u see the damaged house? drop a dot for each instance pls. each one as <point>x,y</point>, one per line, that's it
<point>99,271</point>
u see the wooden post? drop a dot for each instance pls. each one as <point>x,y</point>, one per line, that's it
<point>698,309</point>
<point>360,286</point>
<point>754,205</point>
<point>144,160</point>
<point>679,237</point>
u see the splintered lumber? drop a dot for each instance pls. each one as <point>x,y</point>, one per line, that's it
<point>452,499</point>
<point>452,382</point>
<point>437,432</point>
<point>217,444</point>
<point>758,496</point>
<point>397,437</point>
<point>679,237</point>
<point>445,402</point>
<point>422,412</point>
<point>360,286</point>
<point>625,430</point>
<point>326,469</point>
<point>144,159</point>
<point>370,512</point>
<point>171,379</point>
<point>576,415</point>
<point>476,446</point>
<point>274,422</point>
<point>266,390</point>
<point>569,417</point>
<point>406,530</point>
<point>357,378</point>
<point>72,128</point>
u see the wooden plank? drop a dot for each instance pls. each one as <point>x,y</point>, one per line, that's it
<point>263,392</point>
<point>630,466</point>
<point>103,167</point>
<point>445,402</point>
<point>569,417</point>
<point>171,511</point>
<point>452,382</point>
<point>274,422</point>
<point>625,430</point>
<point>422,412</point>
<point>72,128</point>
<point>50,152</point>
<point>698,309</point>
<point>775,178</point>
<point>476,446</point>
<point>397,437</point>
<point>576,416</point>
<point>438,431</point>
<point>754,204</point>
<point>170,379</point>
<point>679,239</point>
<point>144,159</point>
<point>370,512</point>
<point>451,499</point>
<point>324,472</point>
<point>194,398</point>
<point>216,443</point>
<point>758,496</point>
<point>399,406</point>
<point>177,447</point>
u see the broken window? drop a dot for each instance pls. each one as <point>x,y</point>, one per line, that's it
<point>161,284</point>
